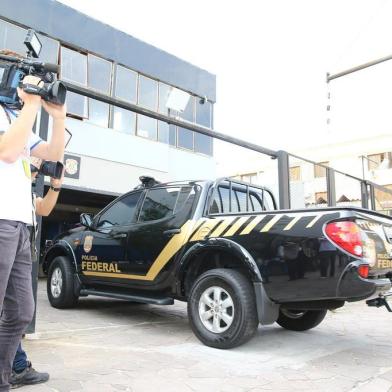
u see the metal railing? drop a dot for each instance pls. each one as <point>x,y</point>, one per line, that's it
<point>367,188</point>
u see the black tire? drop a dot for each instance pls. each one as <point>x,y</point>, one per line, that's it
<point>65,297</point>
<point>300,321</point>
<point>243,312</point>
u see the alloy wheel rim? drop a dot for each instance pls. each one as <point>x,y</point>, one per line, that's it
<point>216,309</point>
<point>292,313</point>
<point>56,283</point>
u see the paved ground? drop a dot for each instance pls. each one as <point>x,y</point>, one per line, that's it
<point>106,345</point>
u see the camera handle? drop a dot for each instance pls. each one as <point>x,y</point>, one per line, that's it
<point>32,89</point>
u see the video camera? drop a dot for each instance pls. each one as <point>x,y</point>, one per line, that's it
<point>49,168</point>
<point>14,69</point>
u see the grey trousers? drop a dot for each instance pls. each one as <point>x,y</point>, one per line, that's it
<point>16,296</point>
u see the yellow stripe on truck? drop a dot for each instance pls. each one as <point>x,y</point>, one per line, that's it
<point>269,225</point>
<point>292,223</point>
<point>172,247</point>
<point>222,227</point>
<point>252,225</point>
<point>233,229</point>
<point>313,221</point>
<point>202,228</point>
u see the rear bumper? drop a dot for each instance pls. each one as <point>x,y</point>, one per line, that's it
<point>354,288</point>
<point>382,286</point>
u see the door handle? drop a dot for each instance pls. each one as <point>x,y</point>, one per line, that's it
<point>171,232</point>
<point>119,235</point>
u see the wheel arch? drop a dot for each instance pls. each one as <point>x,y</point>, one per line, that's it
<point>210,254</point>
<point>61,248</point>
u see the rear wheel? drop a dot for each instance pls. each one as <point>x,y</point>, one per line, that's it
<point>222,308</point>
<point>60,284</point>
<point>296,320</point>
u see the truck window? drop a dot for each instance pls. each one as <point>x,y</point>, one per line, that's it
<point>121,213</point>
<point>241,196</point>
<point>225,197</point>
<point>234,201</point>
<point>158,204</point>
<point>255,203</point>
<point>216,206</point>
<point>268,201</point>
<point>239,200</point>
<point>185,199</point>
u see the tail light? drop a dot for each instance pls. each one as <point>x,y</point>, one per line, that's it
<point>363,271</point>
<point>347,235</point>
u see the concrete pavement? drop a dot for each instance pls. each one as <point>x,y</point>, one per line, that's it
<point>107,345</point>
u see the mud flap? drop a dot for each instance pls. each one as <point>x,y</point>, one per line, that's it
<point>267,310</point>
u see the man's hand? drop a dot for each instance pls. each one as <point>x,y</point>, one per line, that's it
<point>57,182</point>
<point>58,112</point>
<point>30,99</point>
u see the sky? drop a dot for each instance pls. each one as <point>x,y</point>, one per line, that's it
<point>271,59</point>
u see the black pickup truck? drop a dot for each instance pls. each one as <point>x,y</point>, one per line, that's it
<point>224,249</point>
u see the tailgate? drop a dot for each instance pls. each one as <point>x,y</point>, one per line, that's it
<point>378,236</point>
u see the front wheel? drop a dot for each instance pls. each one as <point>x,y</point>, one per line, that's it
<point>60,284</point>
<point>222,308</point>
<point>295,320</point>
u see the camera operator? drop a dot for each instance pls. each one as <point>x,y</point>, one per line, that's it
<point>16,144</point>
<point>22,371</point>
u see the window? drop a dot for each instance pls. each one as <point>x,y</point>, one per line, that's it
<point>158,204</point>
<point>99,74</point>
<point>255,203</point>
<point>185,138</point>
<point>126,84</point>
<point>172,135</point>
<point>73,66</point>
<point>224,194</point>
<point>163,132</point>
<point>74,69</point>
<point>295,173</point>
<point>146,127</point>
<point>120,213</point>
<point>185,199</point>
<point>235,207</point>
<point>216,206</point>
<point>124,120</point>
<point>319,171</point>
<point>98,113</point>
<point>50,50</point>
<point>203,144</point>
<point>99,78</point>
<point>189,113</point>
<point>148,92</point>
<point>164,91</point>
<point>203,112</point>
<point>268,201</point>
<point>12,37</point>
<point>241,197</point>
<point>257,197</point>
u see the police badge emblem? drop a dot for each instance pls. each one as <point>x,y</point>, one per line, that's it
<point>88,243</point>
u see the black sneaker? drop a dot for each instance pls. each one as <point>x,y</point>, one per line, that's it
<point>29,376</point>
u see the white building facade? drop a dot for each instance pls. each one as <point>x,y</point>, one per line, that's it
<point>110,147</point>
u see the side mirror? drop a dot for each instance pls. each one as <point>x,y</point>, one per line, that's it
<point>86,219</point>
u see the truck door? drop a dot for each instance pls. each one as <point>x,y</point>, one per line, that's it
<point>103,248</point>
<point>160,231</point>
